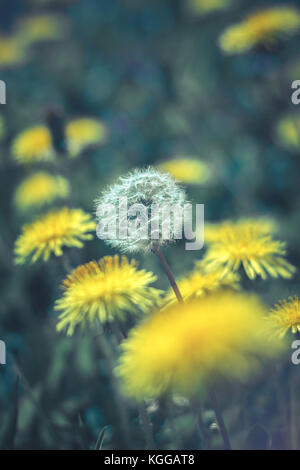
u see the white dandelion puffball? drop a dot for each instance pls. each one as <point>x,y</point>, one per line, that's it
<point>143,209</point>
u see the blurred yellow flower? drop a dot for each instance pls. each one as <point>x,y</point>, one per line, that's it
<point>285,316</point>
<point>84,132</point>
<point>288,131</point>
<point>198,283</point>
<point>260,255</point>
<point>49,233</point>
<point>12,52</point>
<point>103,291</point>
<point>262,27</point>
<point>39,189</point>
<point>33,145</point>
<point>202,7</point>
<point>188,345</point>
<point>187,170</point>
<point>218,232</point>
<point>42,27</point>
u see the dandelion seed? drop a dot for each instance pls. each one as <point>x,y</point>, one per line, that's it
<point>190,345</point>
<point>51,232</point>
<point>105,290</point>
<point>40,189</point>
<point>263,27</point>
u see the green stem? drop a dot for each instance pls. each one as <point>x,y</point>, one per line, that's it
<point>220,420</point>
<point>147,426</point>
<point>119,402</point>
<point>168,272</point>
<point>213,398</point>
<point>204,435</point>
<point>144,417</point>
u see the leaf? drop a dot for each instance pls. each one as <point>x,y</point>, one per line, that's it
<point>100,439</point>
<point>8,438</point>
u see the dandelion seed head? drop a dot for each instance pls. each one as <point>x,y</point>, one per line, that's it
<point>148,187</point>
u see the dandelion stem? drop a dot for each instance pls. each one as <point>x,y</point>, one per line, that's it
<point>147,426</point>
<point>121,409</point>
<point>214,401</point>
<point>168,272</point>
<point>144,417</point>
<point>204,435</point>
<point>220,420</point>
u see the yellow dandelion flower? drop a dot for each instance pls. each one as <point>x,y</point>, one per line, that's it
<point>12,52</point>
<point>285,316</point>
<point>36,28</point>
<point>203,7</point>
<point>288,132</point>
<point>33,145</point>
<point>260,255</point>
<point>218,232</point>
<point>103,291</point>
<point>187,170</point>
<point>191,344</point>
<point>49,233</point>
<point>39,189</point>
<point>83,133</point>
<point>199,283</point>
<point>262,27</point>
